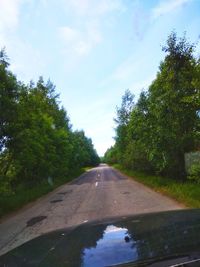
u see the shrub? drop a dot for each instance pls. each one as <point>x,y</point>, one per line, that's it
<point>194,173</point>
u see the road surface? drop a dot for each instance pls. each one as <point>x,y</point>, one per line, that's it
<point>99,193</point>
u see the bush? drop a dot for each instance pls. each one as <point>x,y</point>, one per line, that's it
<point>194,173</point>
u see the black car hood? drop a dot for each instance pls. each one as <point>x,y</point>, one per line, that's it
<point>111,242</point>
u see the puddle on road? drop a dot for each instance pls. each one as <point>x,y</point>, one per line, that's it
<point>35,220</point>
<point>125,193</point>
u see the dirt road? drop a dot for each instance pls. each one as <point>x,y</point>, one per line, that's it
<point>99,193</point>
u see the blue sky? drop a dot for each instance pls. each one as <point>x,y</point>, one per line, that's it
<point>93,50</point>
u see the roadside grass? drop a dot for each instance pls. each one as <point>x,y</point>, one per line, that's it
<point>187,193</point>
<point>24,195</point>
<point>87,168</point>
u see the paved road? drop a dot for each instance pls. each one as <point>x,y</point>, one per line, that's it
<point>99,193</point>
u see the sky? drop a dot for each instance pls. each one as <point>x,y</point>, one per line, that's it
<point>93,50</point>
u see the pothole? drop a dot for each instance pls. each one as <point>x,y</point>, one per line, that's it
<point>35,220</point>
<point>125,193</point>
<point>56,200</point>
<point>64,193</point>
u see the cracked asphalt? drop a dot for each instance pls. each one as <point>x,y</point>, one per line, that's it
<point>99,193</point>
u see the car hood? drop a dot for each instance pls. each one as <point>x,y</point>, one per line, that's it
<point>112,241</point>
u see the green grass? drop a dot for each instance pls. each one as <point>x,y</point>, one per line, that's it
<point>186,192</point>
<point>24,195</point>
<point>87,168</point>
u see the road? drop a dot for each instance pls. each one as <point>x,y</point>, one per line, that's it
<point>99,193</point>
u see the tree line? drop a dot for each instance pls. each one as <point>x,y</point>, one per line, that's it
<point>154,133</point>
<point>37,142</point>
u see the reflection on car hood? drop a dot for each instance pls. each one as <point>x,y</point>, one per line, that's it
<point>114,241</point>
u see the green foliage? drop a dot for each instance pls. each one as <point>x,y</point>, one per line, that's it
<point>122,121</point>
<point>111,155</point>
<point>36,139</point>
<point>194,173</point>
<point>84,153</point>
<point>176,119</point>
<point>164,124</point>
<point>23,194</point>
<point>9,89</point>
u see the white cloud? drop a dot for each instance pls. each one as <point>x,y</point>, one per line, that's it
<point>9,14</point>
<point>68,34</point>
<point>94,7</point>
<point>25,59</point>
<point>167,6</point>
<point>88,15</point>
<point>80,42</point>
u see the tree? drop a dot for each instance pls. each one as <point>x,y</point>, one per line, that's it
<point>9,91</point>
<point>36,137</point>
<point>122,120</point>
<point>83,150</point>
<point>175,117</point>
<point>164,124</point>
